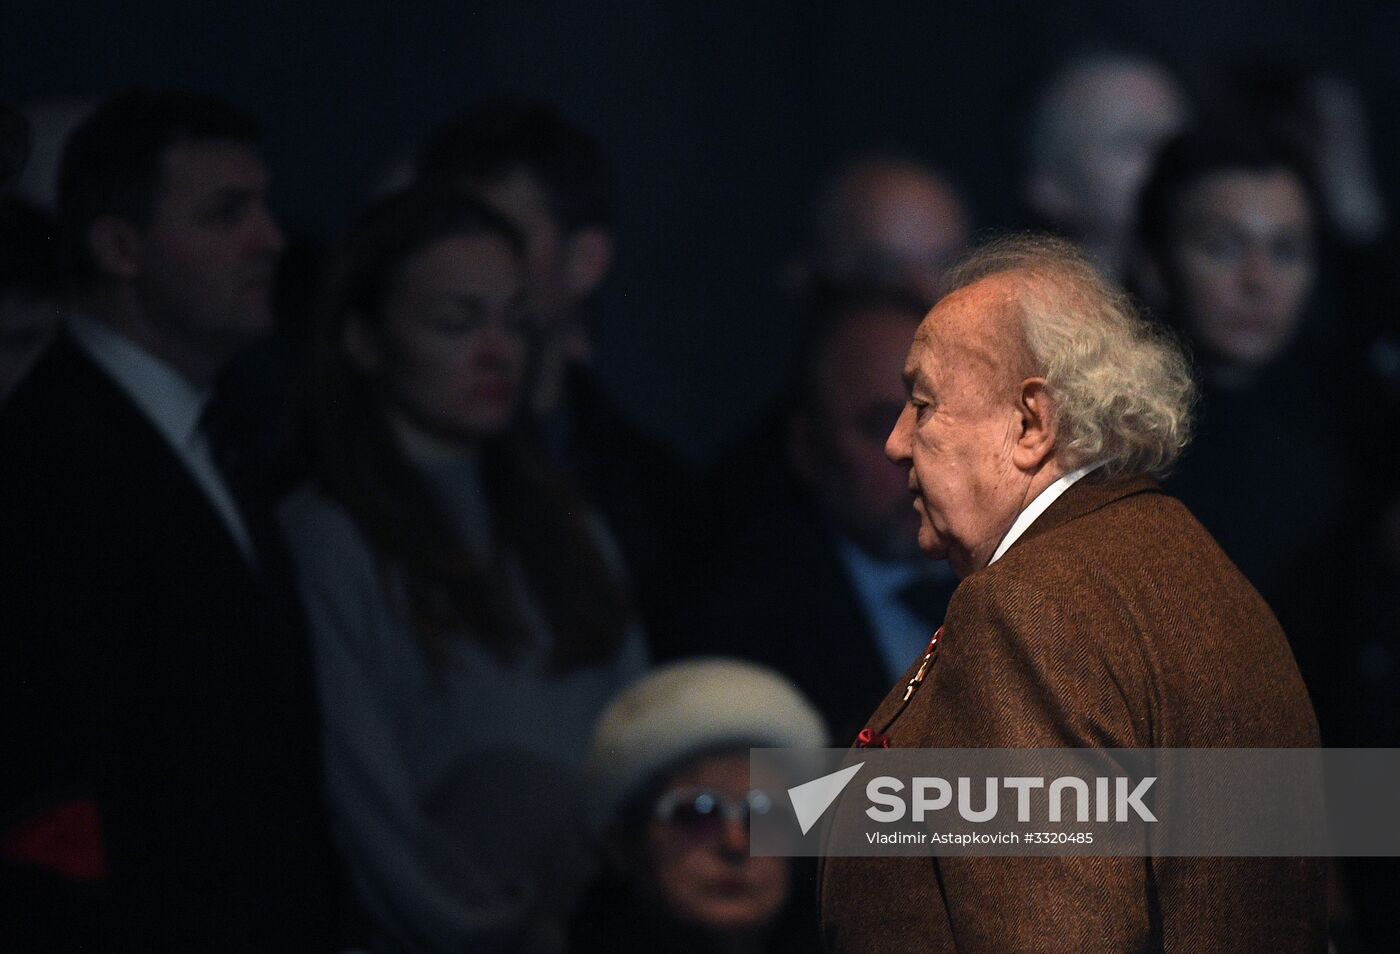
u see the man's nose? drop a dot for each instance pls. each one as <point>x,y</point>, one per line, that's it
<point>1257,270</point>
<point>897,444</point>
<point>734,838</point>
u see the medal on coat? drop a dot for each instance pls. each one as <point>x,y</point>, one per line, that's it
<point>869,738</point>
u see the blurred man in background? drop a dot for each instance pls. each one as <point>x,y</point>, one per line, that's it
<point>887,222</point>
<point>881,226</point>
<point>161,790</point>
<point>822,579</point>
<point>1094,131</point>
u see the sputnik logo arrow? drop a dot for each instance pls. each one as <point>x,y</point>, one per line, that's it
<point>811,799</point>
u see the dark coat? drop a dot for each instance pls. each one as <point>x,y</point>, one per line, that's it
<point>778,594</point>
<point>152,672</point>
<point>1114,622</point>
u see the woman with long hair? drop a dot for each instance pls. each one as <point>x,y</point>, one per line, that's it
<point>468,616</point>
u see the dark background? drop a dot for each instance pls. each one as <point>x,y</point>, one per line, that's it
<point>722,118</point>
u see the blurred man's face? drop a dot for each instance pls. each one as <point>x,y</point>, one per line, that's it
<point>898,229</point>
<point>208,257</point>
<point>1241,263</point>
<point>839,444</point>
<point>955,434</point>
<point>1116,119</point>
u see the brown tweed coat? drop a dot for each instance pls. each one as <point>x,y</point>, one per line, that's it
<point>1114,621</point>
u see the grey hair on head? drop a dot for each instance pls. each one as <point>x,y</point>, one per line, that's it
<point>1121,386</point>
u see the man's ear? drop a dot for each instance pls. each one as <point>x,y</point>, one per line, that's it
<point>361,344</point>
<point>1035,441</point>
<point>588,255</point>
<point>115,247</point>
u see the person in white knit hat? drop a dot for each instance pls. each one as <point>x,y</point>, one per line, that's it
<point>670,798</point>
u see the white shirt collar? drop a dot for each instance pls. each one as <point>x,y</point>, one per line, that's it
<point>173,406</point>
<point>165,396</point>
<point>1038,506</point>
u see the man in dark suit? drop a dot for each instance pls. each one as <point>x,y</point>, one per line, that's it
<point>1096,123</point>
<point>818,575</point>
<point>161,781</point>
<point>885,221</point>
<point>1093,611</point>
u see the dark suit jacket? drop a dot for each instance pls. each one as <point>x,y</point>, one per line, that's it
<point>1115,621</point>
<point>776,593</point>
<point>651,505</point>
<point>149,669</point>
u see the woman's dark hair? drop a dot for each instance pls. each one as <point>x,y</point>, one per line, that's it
<point>1212,150</point>
<point>537,518</point>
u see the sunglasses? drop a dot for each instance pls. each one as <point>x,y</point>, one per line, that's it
<point>701,810</point>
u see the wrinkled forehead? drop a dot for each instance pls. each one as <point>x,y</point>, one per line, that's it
<point>973,330</point>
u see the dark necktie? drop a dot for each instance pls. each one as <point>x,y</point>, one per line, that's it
<point>253,493</point>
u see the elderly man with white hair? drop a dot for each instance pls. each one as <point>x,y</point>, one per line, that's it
<point>1093,612</point>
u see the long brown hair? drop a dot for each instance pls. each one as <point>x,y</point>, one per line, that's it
<point>538,519</point>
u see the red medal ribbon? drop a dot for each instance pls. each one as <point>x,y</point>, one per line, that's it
<point>870,739</point>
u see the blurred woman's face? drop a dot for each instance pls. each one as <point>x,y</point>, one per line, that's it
<point>700,860</point>
<point>1243,263</point>
<point>451,349</point>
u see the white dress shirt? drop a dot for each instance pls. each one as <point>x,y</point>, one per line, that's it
<point>172,404</point>
<point>1038,506</point>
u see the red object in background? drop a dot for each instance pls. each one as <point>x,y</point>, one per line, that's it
<point>66,839</point>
